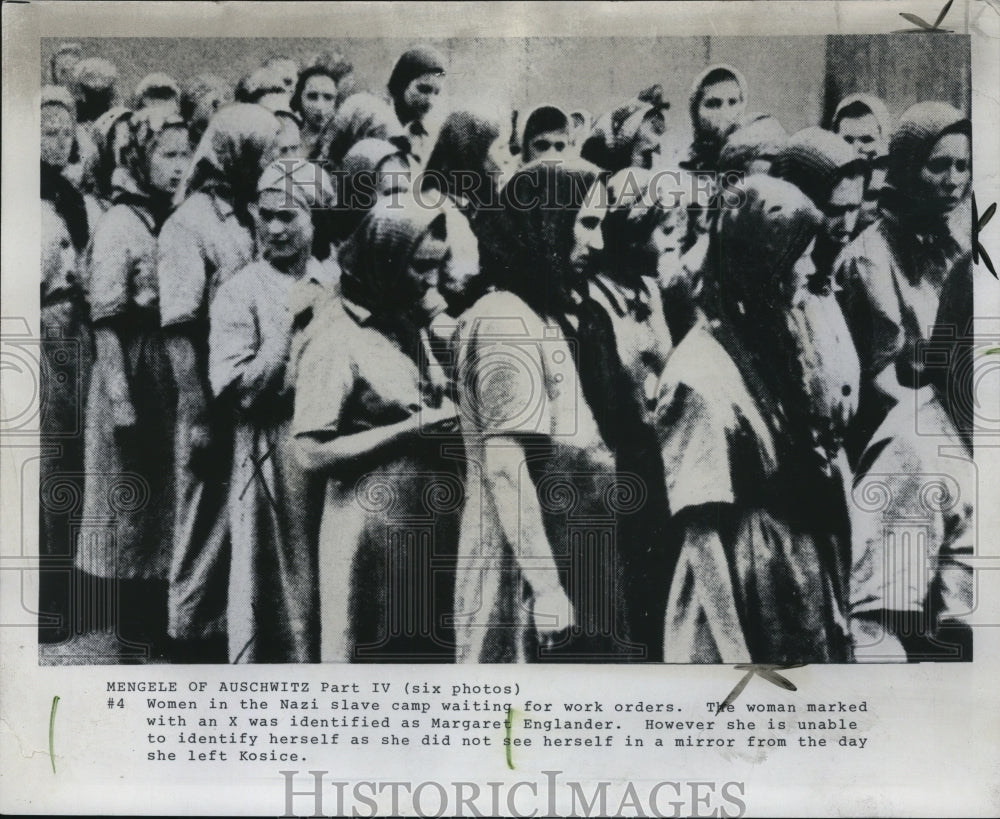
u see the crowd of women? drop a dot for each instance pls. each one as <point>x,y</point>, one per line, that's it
<point>366,380</point>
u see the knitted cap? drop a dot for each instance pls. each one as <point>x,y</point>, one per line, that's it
<point>759,136</point>
<point>919,128</point>
<point>814,160</point>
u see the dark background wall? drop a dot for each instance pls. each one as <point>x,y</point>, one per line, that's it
<point>798,79</point>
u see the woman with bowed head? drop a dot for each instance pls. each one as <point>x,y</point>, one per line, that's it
<point>202,244</point>
<point>371,168</point>
<point>273,509</point>
<point>631,135</point>
<point>539,570</point>
<point>360,116</point>
<point>759,522</point>
<point>894,275</point>
<point>370,413</point>
<point>414,86</point>
<point>639,235</point>
<point>130,406</point>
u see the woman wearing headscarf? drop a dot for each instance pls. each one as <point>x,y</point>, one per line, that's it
<point>315,100</point>
<point>639,239</point>
<point>825,168</point>
<point>360,116</point>
<point>103,175</point>
<point>372,168</point>
<point>206,239</point>
<point>370,413</point>
<point>545,135</point>
<point>716,104</point>
<point>63,379</point>
<point>539,566</point>
<point>759,516</point>
<point>464,164</point>
<point>414,86</point>
<point>57,140</point>
<point>203,96</point>
<point>894,274</point>
<point>273,598</point>
<point>865,124</point>
<point>752,146</point>
<point>130,406</point>
<point>631,135</point>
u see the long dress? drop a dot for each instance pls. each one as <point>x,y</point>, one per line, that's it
<point>200,246</point>
<point>390,525</point>
<point>643,343</point>
<point>66,357</point>
<point>517,379</point>
<point>915,494</point>
<point>770,585</point>
<point>273,600</point>
<point>129,484</point>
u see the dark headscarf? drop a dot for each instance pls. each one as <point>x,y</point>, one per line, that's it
<point>815,161</point>
<point>540,120</point>
<point>529,253</point>
<point>759,136</point>
<point>361,116</point>
<point>417,61</point>
<point>752,252</point>
<point>233,152</point>
<point>925,240</point>
<point>68,202</point>
<point>463,147</point>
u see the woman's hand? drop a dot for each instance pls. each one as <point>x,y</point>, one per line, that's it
<point>552,614</point>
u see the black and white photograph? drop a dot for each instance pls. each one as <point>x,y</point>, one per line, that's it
<point>417,408</point>
<point>589,359</point>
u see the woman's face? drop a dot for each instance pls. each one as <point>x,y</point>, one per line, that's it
<point>284,228</point>
<point>665,246</point>
<point>169,160</point>
<point>58,256</point>
<point>57,135</point>
<point>802,274</point>
<point>588,233</point>
<point>207,104</point>
<point>944,177</point>
<point>427,267</point>
<point>647,142</point>
<point>319,101</point>
<point>289,138</point>
<point>62,69</point>
<point>421,94</point>
<point>720,108</point>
